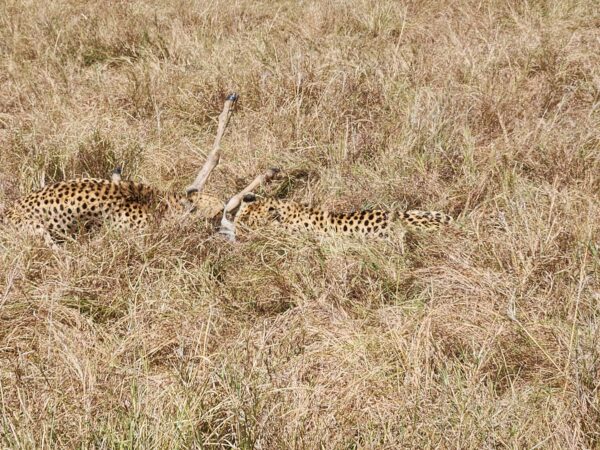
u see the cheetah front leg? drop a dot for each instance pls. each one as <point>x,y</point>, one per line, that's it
<point>227,228</point>
<point>36,229</point>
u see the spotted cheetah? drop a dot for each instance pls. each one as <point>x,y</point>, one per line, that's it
<point>254,213</point>
<point>68,207</point>
<point>65,208</point>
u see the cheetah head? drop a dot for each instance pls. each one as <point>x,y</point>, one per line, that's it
<point>255,212</point>
<point>202,205</point>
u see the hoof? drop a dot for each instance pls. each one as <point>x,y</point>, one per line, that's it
<point>232,97</point>
<point>249,198</point>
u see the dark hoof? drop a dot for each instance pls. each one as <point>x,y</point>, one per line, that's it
<point>249,198</point>
<point>191,191</point>
<point>233,97</point>
<point>117,170</point>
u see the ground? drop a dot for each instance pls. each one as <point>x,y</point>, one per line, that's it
<point>478,337</point>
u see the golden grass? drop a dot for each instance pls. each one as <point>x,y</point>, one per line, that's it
<point>472,338</point>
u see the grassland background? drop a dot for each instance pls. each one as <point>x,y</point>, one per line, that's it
<point>472,338</point>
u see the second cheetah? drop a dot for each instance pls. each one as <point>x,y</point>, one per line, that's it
<point>254,213</point>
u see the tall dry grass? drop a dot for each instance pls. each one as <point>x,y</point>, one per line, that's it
<point>472,338</point>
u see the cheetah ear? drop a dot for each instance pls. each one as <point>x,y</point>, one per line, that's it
<point>115,177</point>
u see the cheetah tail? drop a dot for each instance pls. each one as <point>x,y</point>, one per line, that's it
<point>425,220</point>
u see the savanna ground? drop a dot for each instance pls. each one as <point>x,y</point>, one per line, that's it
<point>476,337</point>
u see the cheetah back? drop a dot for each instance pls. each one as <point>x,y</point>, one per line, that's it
<point>67,207</point>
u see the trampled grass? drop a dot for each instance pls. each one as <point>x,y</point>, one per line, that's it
<point>476,337</point>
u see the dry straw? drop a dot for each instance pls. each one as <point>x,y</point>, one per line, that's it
<point>479,337</point>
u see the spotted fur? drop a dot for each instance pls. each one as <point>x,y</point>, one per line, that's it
<point>68,207</point>
<point>254,213</point>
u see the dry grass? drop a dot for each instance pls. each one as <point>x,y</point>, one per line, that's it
<point>474,338</point>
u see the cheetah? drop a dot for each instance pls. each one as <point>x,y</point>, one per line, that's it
<point>68,207</point>
<point>254,213</point>
<point>65,208</point>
